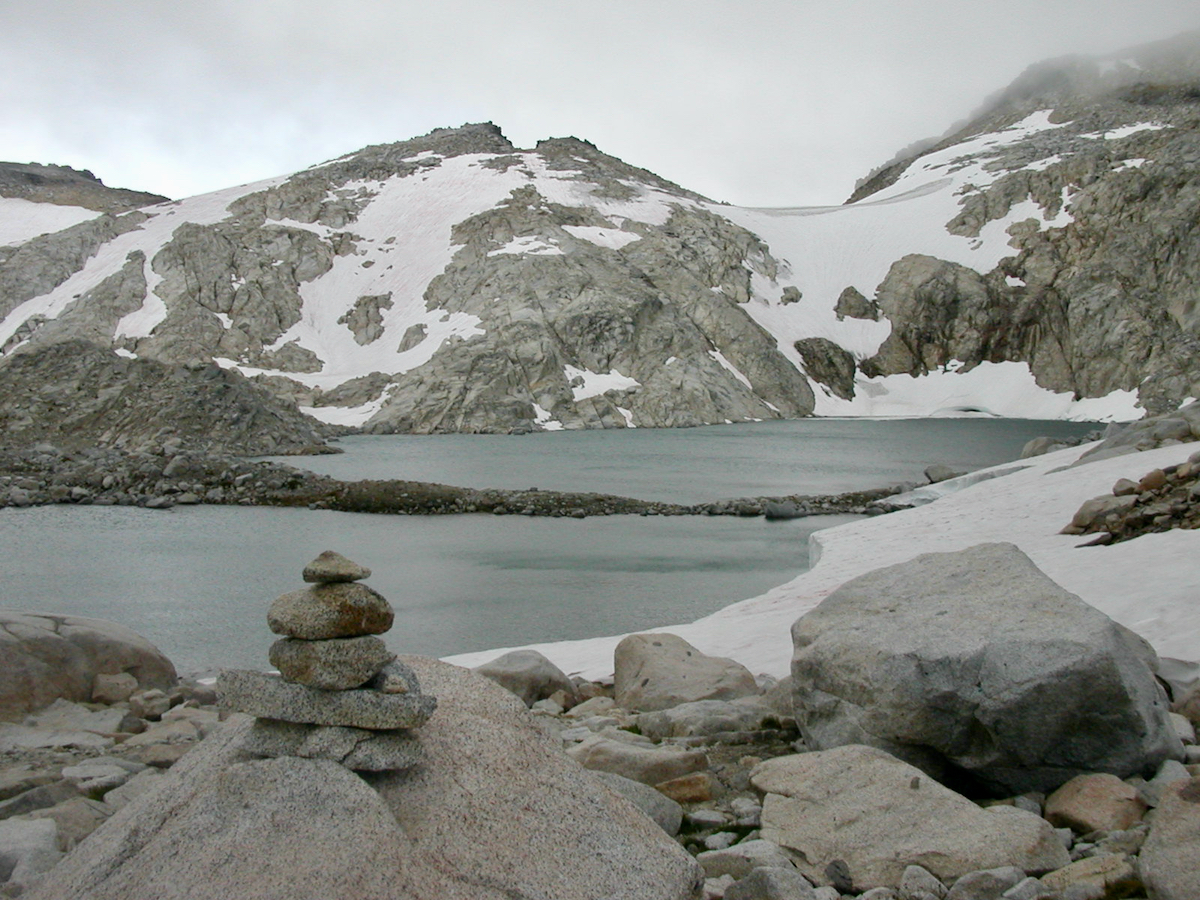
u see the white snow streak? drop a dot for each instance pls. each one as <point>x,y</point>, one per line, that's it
<point>612,238</point>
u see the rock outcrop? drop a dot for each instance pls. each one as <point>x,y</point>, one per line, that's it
<point>64,186</point>
<point>47,657</point>
<point>974,665</point>
<point>76,395</point>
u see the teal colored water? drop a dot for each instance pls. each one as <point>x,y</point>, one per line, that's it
<point>197,581</point>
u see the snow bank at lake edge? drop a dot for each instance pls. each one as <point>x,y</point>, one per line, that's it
<point>1147,584</point>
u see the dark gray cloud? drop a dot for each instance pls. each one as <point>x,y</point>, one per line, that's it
<point>761,102</point>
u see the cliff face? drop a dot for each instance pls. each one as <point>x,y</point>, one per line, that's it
<point>1041,260</point>
<point>1104,298</point>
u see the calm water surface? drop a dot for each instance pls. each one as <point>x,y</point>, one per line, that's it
<point>692,465</point>
<point>197,581</point>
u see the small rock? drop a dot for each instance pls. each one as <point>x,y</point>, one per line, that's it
<point>706,818</point>
<point>1095,802</point>
<point>1168,858</point>
<point>28,848</point>
<point>741,859</point>
<point>113,688</point>
<point>715,888</point>
<point>149,704</point>
<point>1112,876</point>
<point>666,813</point>
<point>720,840</point>
<point>332,568</point>
<point>336,664</point>
<point>918,883</point>
<point>76,819</point>
<point>268,696</point>
<point>771,884</point>
<point>986,884</point>
<point>698,787</point>
<point>330,611</point>
<point>645,763</point>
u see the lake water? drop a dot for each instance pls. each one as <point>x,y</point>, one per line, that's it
<point>197,581</point>
<point>692,465</point>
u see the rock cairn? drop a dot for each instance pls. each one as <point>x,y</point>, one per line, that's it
<point>340,694</point>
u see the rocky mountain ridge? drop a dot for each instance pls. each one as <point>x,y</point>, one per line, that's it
<point>1040,261</point>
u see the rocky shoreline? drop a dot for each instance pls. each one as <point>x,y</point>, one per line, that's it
<point>164,475</point>
<point>703,780</point>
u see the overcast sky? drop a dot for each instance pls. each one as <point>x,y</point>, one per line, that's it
<point>757,102</point>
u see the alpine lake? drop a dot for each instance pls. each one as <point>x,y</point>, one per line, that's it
<point>197,580</point>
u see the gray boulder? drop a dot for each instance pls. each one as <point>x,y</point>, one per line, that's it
<point>709,718</point>
<point>1168,861</point>
<point>47,657</point>
<point>646,763</point>
<point>977,665</point>
<point>878,815</point>
<point>486,817</point>
<point>527,674</point>
<point>658,671</point>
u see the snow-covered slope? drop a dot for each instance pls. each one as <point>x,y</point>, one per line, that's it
<point>1147,584</point>
<point>21,220</point>
<point>1040,261</point>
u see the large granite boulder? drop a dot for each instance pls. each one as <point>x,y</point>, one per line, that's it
<point>488,815</point>
<point>878,815</point>
<point>658,671</point>
<point>975,666</point>
<point>47,657</point>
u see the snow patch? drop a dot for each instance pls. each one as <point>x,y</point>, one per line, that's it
<point>612,238</point>
<point>545,419</point>
<point>1005,389</point>
<point>627,416</point>
<point>528,245</point>
<point>22,220</point>
<point>586,384</point>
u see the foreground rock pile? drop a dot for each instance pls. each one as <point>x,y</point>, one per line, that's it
<point>340,694</point>
<point>1097,810</point>
<point>705,781</point>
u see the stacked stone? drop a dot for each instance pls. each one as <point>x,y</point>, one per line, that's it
<point>340,694</point>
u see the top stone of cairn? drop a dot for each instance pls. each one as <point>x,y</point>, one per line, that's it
<point>332,568</point>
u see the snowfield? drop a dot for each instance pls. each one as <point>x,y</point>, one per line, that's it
<point>1147,584</point>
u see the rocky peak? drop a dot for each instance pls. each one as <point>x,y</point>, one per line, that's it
<point>1096,93</point>
<point>65,186</point>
